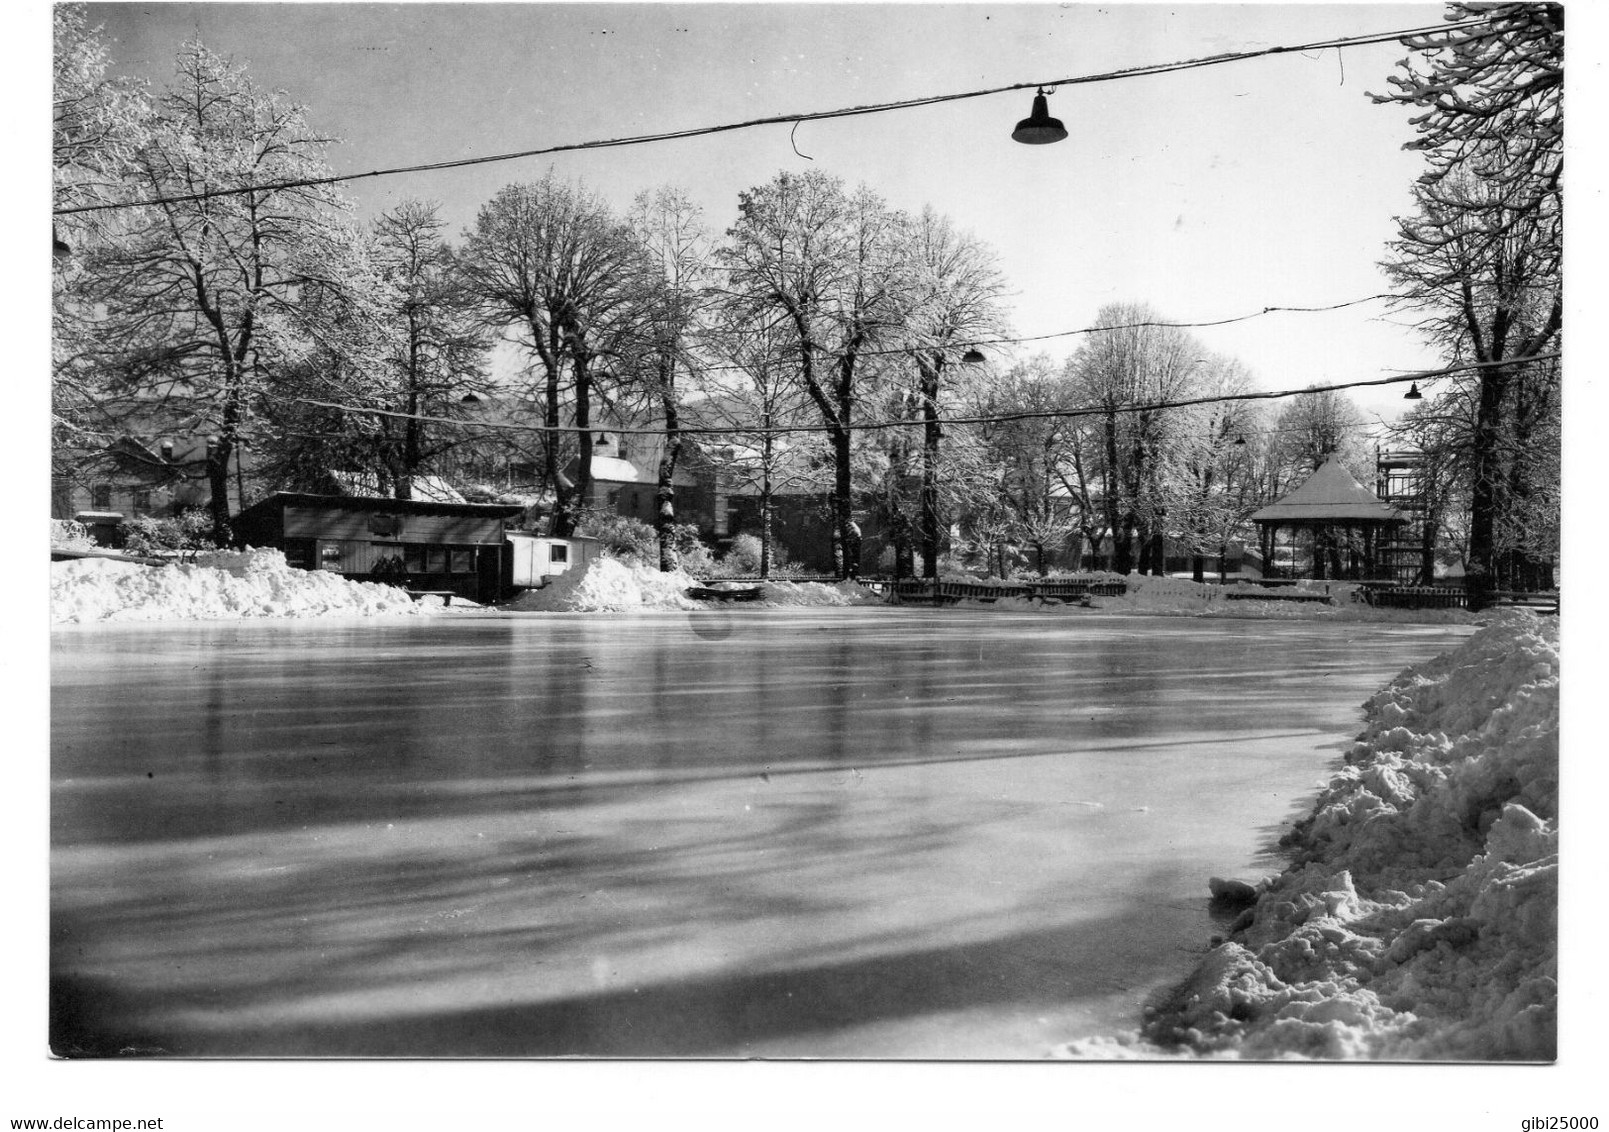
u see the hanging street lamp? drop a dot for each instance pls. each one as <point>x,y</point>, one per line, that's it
<point>1039,128</point>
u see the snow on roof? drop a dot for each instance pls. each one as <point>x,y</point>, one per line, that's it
<point>1331,494</point>
<point>615,470</point>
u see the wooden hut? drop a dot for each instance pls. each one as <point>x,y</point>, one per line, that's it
<point>414,543</point>
<point>1334,519</point>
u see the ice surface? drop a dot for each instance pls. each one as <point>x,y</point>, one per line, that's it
<point>1418,919</point>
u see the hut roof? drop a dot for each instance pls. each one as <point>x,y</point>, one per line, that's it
<point>1330,495</point>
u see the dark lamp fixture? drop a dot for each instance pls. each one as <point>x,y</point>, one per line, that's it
<point>972,357</point>
<point>1240,442</point>
<point>1039,128</point>
<point>1413,393</point>
<point>58,246</point>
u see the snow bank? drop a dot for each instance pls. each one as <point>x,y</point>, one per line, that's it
<point>817,593</point>
<point>220,585</point>
<point>1418,919</point>
<point>609,585</point>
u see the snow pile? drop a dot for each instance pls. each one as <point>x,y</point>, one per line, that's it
<point>607,585</point>
<point>1153,594</point>
<point>1419,917</point>
<point>219,585</point>
<point>817,593</point>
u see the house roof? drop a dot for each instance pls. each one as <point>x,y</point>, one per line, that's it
<point>1330,495</point>
<point>282,499</point>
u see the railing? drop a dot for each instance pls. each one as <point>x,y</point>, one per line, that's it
<point>1453,597</point>
<point>924,591</point>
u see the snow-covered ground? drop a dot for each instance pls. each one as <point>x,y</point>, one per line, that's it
<point>259,583</point>
<point>1419,918</point>
<point>1181,597</point>
<point>219,585</point>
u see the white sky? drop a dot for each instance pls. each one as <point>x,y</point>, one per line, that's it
<point>1208,194</point>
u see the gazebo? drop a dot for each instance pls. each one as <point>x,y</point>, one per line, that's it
<point>1342,519</point>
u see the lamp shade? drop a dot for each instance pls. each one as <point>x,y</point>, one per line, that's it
<point>1413,393</point>
<point>1039,128</point>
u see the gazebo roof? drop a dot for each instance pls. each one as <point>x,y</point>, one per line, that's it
<point>1330,495</point>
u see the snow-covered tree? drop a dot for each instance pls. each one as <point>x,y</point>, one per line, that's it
<point>827,261</point>
<point>675,290</point>
<point>199,301</point>
<point>550,263</point>
<point>1479,261</point>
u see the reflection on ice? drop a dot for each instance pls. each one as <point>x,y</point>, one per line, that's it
<point>850,833</point>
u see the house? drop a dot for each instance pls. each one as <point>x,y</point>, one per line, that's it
<point>416,543</point>
<point>152,471</point>
<point>625,481</point>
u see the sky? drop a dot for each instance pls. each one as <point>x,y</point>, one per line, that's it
<point>1207,194</point>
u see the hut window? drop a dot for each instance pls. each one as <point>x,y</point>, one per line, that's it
<point>100,497</point>
<point>415,559</point>
<point>142,501</point>
<point>558,552</point>
<point>436,560</point>
<point>463,562</point>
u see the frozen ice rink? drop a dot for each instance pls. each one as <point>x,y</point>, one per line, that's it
<point>836,833</point>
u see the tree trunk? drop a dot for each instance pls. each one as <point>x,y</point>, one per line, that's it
<point>930,460</point>
<point>550,453</point>
<point>845,534</point>
<point>665,491</point>
<point>765,531</point>
<point>1478,580</point>
<point>218,481</point>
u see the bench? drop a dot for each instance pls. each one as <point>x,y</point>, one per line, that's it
<point>725,593</point>
<point>445,595</point>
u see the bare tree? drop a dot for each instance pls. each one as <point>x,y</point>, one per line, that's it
<point>954,295</point>
<point>1480,258</point>
<point>199,301</point>
<point>552,263</point>
<point>675,289</point>
<point>826,260</point>
<point>97,123</point>
<point>1126,370</point>
<point>752,389</point>
<point>1035,454</point>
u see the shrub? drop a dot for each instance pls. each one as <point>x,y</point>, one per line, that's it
<point>634,542</point>
<point>185,534</point>
<point>69,534</point>
<point>742,558</point>
<point>630,540</point>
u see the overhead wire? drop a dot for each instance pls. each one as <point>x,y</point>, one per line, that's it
<point>991,418</point>
<point>1143,71</point>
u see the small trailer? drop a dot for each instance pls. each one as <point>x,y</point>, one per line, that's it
<point>538,559</point>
